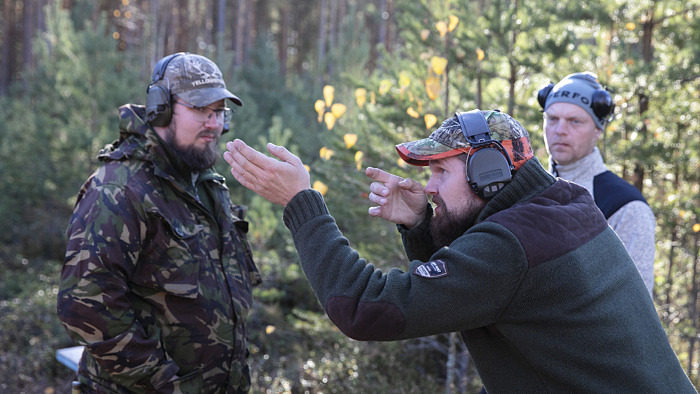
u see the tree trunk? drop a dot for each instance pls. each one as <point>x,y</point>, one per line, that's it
<point>240,29</point>
<point>6,52</point>
<point>322,39</point>
<point>283,43</point>
<point>692,307</point>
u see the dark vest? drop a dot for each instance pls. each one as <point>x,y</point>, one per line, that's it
<point>611,193</point>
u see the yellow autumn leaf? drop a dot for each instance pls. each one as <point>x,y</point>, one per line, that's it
<point>439,64</point>
<point>432,86</point>
<point>424,34</point>
<point>358,160</point>
<point>412,112</point>
<point>308,169</point>
<point>630,26</point>
<point>320,187</point>
<point>320,109</point>
<point>330,120</point>
<point>361,96</point>
<point>480,54</point>
<point>328,92</point>
<point>338,110</point>
<point>696,227</point>
<point>454,21</point>
<point>430,120</point>
<point>269,329</point>
<point>350,140</point>
<point>404,79</point>
<point>441,28</point>
<point>401,163</point>
<point>384,86</point>
<point>325,153</point>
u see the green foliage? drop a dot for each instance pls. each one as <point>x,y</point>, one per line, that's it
<point>55,122</point>
<point>30,331</point>
<point>60,113</point>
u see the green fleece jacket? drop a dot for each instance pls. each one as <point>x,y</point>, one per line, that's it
<point>542,290</point>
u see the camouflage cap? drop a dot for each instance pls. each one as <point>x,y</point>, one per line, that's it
<point>448,140</point>
<point>197,80</point>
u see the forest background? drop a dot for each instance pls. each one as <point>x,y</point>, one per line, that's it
<point>339,82</point>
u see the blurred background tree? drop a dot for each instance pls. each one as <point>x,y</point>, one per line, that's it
<point>339,82</point>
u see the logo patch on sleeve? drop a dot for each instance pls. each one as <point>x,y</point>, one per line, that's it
<point>432,269</point>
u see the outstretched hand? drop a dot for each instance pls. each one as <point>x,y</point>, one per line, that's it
<point>399,200</point>
<point>275,180</point>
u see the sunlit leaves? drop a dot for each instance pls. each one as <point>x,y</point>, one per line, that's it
<point>350,140</point>
<point>424,34</point>
<point>404,79</point>
<point>445,27</point>
<point>358,160</point>
<point>320,187</point>
<point>433,87</point>
<point>361,97</point>
<point>328,92</point>
<point>441,28</point>
<point>326,153</point>
<point>696,228</point>
<point>454,21</point>
<point>430,120</point>
<point>439,64</point>
<point>630,26</point>
<point>480,54</point>
<point>384,86</point>
<point>320,107</point>
<point>338,110</point>
<point>269,329</point>
<point>412,112</point>
<point>329,119</point>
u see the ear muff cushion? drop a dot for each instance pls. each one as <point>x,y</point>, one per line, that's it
<point>488,171</point>
<point>158,106</point>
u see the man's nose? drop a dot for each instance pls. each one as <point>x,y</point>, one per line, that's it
<point>430,188</point>
<point>212,121</point>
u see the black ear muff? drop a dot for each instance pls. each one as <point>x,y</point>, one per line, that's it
<point>603,105</point>
<point>543,93</point>
<point>159,100</point>
<point>489,167</point>
<point>227,119</point>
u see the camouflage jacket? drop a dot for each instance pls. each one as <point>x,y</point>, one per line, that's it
<point>155,286</point>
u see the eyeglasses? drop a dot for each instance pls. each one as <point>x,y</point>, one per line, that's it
<point>203,114</point>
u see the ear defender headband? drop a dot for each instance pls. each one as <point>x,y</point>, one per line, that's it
<point>601,101</point>
<point>159,101</point>
<point>489,167</point>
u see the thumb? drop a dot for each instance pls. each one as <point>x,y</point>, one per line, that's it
<point>411,185</point>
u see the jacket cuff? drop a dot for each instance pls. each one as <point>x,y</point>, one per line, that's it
<point>306,205</point>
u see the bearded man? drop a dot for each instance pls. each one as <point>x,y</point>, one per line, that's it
<point>524,265</point>
<point>158,274</point>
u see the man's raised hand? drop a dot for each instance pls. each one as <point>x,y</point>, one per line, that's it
<point>399,200</point>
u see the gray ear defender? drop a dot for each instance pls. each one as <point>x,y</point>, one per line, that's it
<point>159,101</point>
<point>489,168</point>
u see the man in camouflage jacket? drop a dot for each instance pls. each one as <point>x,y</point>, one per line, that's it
<point>158,276</point>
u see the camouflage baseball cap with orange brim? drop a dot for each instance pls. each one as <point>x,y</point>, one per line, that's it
<point>448,140</point>
<point>197,80</point>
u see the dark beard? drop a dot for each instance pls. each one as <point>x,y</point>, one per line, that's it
<point>195,159</point>
<point>449,226</point>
